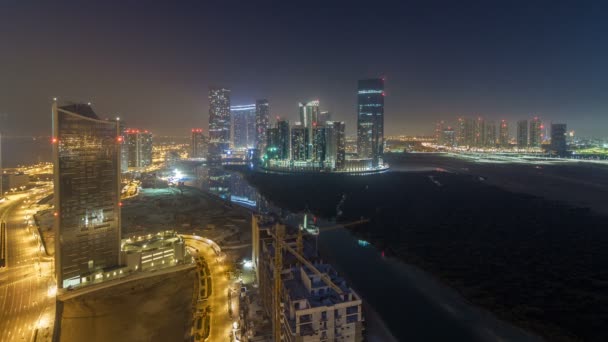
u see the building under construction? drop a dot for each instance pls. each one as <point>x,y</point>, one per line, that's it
<point>306,298</point>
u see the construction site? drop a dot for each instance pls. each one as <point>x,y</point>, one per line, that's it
<point>304,297</point>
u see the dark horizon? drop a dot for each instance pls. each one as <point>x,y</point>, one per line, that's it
<point>153,66</point>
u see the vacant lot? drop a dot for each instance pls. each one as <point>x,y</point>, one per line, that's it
<point>153,309</point>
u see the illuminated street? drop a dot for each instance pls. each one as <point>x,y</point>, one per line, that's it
<point>26,291</point>
<point>221,322</point>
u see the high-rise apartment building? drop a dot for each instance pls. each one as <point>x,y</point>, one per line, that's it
<point>262,123</point>
<point>522,133</point>
<point>284,139</point>
<point>319,144</point>
<point>536,132</point>
<point>219,121</point>
<point>448,137</point>
<point>480,132</point>
<point>309,118</point>
<point>139,148</point>
<point>490,136</point>
<point>439,132</point>
<point>503,137</point>
<point>370,119</point>
<point>244,125</point>
<point>86,155</point>
<point>558,139</point>
<point>466,132</point>
<point>299,142</point>
<point>198,144</point>
<point>335,143</point>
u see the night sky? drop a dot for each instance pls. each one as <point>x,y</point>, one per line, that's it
<point>152,64</point>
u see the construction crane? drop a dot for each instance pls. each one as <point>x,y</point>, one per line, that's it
<point>281,245</point>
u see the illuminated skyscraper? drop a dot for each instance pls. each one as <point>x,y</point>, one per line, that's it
<point>244,122</point>
<point>283,139</point>
<point>335,143</point>
<point>262,123</point>
<point>319,144</point>
<point>503,138</point>
<point>139,148</point>
<point>522,133</point>
<point>558,139</point>
<point>219,121</point>
<point>370,119</point>
<point>198,144</point>
<point>536,132</point>
<point>299,142</point>
<point>86,155</point>
<point>309,117</point>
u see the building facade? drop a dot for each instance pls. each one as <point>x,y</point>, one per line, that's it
<point>86,154</point>
<point>262,123</point>
<point>370,119</point>
<point>558,139</point>
<point>139,148</point>
<point>522,133</point>
<point>503,137</point>
<point>535,133</point>
<point>219,121</point>
<point>198,144</point>
<point>244,126</point>
<point>299,142</point>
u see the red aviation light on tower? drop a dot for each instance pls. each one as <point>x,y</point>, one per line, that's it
<point>119,139</point>
<point>54,140</point>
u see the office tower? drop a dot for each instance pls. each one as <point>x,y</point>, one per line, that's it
<point>324,117</point>
<point>535,132</point>
<point>299,142</point>
<point>219,121</point>
<point>309,117</point>
<point>139,148</point>
<point>522,133</point>
<point>558,139</point>
<point>490,136</point>
<point>448,137</point>
<point>319,144</point>
<point>283,139</point>
<point>86,155</point>
<point>439,132</point>
<point>262,123</point>
<point>198,144</point>
<point>466,132</point>
<point>480,132</point>
<point>370,119</point>
<point>335,150</point>
<point>244,121</point>
<point>503,138</point>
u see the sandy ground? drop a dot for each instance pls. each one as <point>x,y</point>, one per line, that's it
<point>152,309</point>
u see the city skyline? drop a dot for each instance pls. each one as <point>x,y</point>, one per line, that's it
<point>530,73</point>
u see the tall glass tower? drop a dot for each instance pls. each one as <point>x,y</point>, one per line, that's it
<point>86,155</point>
<point>370,120</point>
<point>219,121</point>
<point>309,117</point>
<point>262,123</point>
<point>243,118</point>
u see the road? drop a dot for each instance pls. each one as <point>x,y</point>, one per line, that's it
<point>221,322</point>
<point>25,301</point>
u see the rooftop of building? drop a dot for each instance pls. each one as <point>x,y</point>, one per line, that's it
<point>83,109</point>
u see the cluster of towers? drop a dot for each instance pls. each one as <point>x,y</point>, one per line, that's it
<point>314,138</point>
<point>480,133</point>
